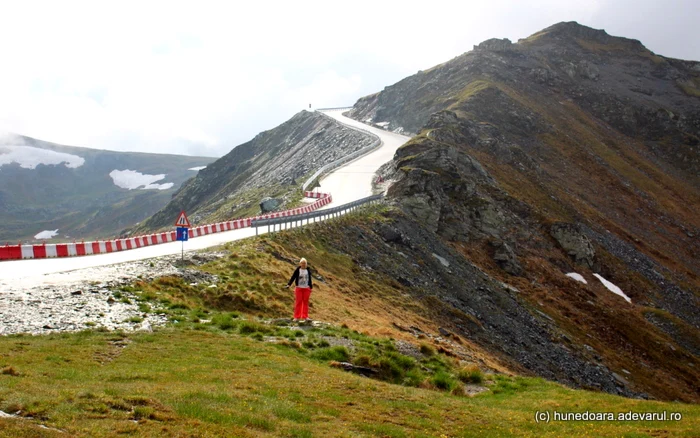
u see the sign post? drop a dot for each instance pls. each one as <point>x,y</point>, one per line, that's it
<point>182,230</point>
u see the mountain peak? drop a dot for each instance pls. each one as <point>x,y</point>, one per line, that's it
<point>495,44</point>
<point>573,31</point>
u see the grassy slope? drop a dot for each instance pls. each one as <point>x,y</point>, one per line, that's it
<point>191,383</point>
<point>208,379</point>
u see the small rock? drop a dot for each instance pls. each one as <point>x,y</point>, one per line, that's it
<point>77,292</point>
<point>620,380</point>
<point>366,371</point>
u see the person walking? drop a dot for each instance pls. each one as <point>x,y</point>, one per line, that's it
<point>302,291</point>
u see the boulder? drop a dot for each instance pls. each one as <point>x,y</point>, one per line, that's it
<point>269,204</point>
<point>505,257</point>
<point>389,234</point>
<point>576,244</point>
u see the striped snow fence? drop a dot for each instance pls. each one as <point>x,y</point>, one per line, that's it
<point>220,227</point>
<point>324,199</point>
<point>315,195</point>
<point>16,252</point>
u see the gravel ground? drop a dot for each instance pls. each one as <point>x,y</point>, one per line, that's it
<point>80,299</point>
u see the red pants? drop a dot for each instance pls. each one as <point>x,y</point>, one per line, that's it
<point>301,303</point>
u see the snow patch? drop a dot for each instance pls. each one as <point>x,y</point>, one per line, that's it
<point>29,157</point>
<point>577,277</point>
<point>612,288</point>
<point>131,179</point>
<point>198,168</point>
<point>46,234</point>
<point>442,260</point>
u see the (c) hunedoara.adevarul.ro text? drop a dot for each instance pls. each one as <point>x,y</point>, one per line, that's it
<point>547,416</point>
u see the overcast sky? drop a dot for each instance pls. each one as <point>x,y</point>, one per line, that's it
<point>200,77</point>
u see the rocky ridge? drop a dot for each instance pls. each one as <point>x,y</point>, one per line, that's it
<point>569,151</point>
<point>272,165</point>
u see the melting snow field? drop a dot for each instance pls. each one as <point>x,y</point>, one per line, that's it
<point>197,168</point>
<point>577,277</point>
<point>612,288</point>
<point>29,157</point>
<point>46,234</point>
<point>130,179</point>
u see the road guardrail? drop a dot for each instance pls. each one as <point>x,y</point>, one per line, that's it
<point>299,219</point>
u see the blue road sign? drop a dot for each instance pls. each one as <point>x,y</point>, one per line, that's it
<point>182,234</point>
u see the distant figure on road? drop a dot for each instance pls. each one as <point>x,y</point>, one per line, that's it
<point>302,291</point>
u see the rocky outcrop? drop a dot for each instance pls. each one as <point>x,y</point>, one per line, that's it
<point>495,44</point>
<point>505,258</point>
<point>492,313</point>
<point>575,243</point>
<point>569,151</point>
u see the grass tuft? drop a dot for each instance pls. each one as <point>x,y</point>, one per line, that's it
<point>444,380</point>
<point>337,353</point>
<point>471,374</point>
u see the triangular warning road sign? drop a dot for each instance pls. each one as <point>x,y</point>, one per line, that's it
<point>182,220</point>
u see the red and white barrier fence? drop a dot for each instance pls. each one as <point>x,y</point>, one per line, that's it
<point>16,252</point>
<point>315,195</point>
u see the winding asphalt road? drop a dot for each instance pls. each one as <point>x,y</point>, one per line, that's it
<point>347,183</point>
<point>353,181</point>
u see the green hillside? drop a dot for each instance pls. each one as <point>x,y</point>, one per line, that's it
<point>206,383</point>
<point>83,202</point>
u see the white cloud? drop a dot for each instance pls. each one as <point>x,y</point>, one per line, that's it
<point>178,78</point>
<point>131,179</point>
